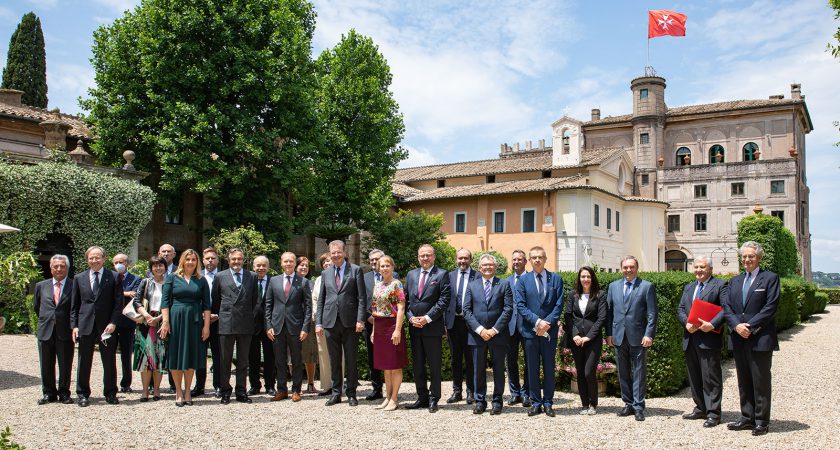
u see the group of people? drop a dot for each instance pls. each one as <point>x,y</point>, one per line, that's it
<point>289,322</point>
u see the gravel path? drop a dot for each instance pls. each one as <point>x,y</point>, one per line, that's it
<point>806,392</point>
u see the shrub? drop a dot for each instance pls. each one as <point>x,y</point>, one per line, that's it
<point>787,315</point>
<point>17,271</point>
<point>248,239</point>
<point>501,261</point>
<point>780,253</point>
<point>821,301</point>
<point>400,235</point>
<point>833,295</point>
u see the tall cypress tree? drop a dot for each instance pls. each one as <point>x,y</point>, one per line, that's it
<point>26,65</point>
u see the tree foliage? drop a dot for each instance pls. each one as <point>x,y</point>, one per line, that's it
<point>501,261</point>
<point>26,64</point>
<point>401,235</point>
<point>835,49</point>
<point>779,244</point>
<point>17,271</point>
<point>361,128</point>
<point>214,97</point>
<point>246,238</point>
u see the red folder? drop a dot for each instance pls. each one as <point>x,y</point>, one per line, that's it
<point>703,310</point>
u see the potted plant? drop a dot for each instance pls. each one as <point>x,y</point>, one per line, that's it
<point>604,369</point>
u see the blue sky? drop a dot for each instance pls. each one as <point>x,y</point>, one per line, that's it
<point>470,75</point>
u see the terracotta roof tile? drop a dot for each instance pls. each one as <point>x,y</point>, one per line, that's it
<point>505,187</point>
<point>402,190</point>
<point>733,105</point>
<point>78,129</point>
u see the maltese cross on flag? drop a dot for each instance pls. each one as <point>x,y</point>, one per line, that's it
<point>666,23</point>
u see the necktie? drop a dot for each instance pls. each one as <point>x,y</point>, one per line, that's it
<point>378,276</point>
<point>627,290</point>
<point>745,289</point>
<point>422,284</point>
<point>121,278</point>
<point>288,286</point>
<point>459,305</point>
<point>96,284</point>
<point>487,291</point>
<point>515,280</point>
<point>539,285</point>
<point>337,278</point>
<point>238,278</point>
<point>57,292</point>
<point>262,289</point>
<point>699,290</point>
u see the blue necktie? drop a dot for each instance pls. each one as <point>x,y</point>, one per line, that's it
<point>699,290</point>
<point>487,291</point>
<point>627,291</point>
<point>238,278</point>
<point>745,289</point>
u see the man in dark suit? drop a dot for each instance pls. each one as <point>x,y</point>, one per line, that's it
<point>125,326</point>
<point>234,297</point>
<point>427,297</point>
<point>51,300</point>
<point>371,278</point>
<point>261,359</point>
<point>211,262</point>
<point>341,316</point>
<point>96,306</point>
<point>750,311</point>
<point>288,308</point>
<point>518,392</point>
<point>631,326</point>
<point>539,301</point>
<point>488,306</point>
<point>457,329</point>
<point>702,344</point>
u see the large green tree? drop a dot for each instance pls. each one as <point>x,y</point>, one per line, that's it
<point>400,235</point>
<point>26,64</point>
<point>214,96</point>
<point>361,128</point>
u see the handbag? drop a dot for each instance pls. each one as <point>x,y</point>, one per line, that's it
<point>132,314</point>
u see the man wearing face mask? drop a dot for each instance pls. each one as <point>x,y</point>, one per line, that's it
<point>125,326</point>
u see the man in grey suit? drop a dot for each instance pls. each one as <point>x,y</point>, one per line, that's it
<point>631,327</point>
<point>288,308</point>
<point>51,301</point>
<point>341,317</point>
<point>235,297</point>
<point>702,344</point>
<point>457,328</point>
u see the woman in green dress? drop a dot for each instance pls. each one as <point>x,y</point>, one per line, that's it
<point>149,348</point>
<point>185,306</point>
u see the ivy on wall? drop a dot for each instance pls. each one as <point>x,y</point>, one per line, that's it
<point>91,208</point>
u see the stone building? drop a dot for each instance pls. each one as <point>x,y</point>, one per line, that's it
<point>709,164</point>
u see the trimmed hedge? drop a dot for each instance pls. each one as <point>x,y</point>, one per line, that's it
<point>833,295</point>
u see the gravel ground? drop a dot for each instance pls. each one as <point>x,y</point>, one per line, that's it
<point>806,392</point>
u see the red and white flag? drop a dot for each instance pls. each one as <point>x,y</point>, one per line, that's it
<point>666,23</point>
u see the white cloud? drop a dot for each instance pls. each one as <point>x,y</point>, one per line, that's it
<point>66,82</point>
<point>825,254</point>
<point>118,6</point>
<point>7,14</point>
<point>418,157</point>
<point>45,4</point>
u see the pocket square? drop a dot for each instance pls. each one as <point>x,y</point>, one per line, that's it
<point>760,290</point>
<point>433,282</point>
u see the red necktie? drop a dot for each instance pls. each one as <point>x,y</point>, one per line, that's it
<point>288,286</point>
<point>422,284</point>
<point>57,292</point>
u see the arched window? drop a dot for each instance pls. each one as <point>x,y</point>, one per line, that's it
<point>750,151</point>
<point>716,154</point>
<point>683,156</point>
<point>567,135</point>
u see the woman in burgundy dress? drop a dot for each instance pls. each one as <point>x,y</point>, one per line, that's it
<point>388,310</point>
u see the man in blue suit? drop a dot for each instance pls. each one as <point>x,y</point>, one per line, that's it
<point>750,311</point>
<point>631,326</point>
<point>456,327</point>
<point>125,326</point>
<point>518,392</point>
<point>539,302</point>
<point>488,306</point>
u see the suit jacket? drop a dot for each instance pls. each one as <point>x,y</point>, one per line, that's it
<point>496,313</point>
<point>449,314</point>
<point>515,319</point>
<point>532,307</point>
<point>290,314</point>
<point>370,283</point>
<point>235,306</point>
<point>714,291</point>
<point>587,323</point>
<point>130,283</point>
<point>344,305</point>
<point>759,311</point>
<point>89,313</point>
<point>637,317</point>
<point>432,303</point>
<point>52,318</point>
<point>259,311</point>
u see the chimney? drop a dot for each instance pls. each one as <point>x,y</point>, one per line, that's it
<point>796,91</point>
<point>10,96</point>
<point>542,143</point>
<point>596,114</point>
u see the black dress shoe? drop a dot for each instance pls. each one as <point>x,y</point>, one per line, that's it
<point>243,399</point>
<point>626,411</point>
<point>711,422</point>
<point>433,406</point>
<point>196,392</point>
<point>333,400</point>
<point>526,402</point>
<point>549,411</point>
<point>66,400</point>
<point>514,400</point>
<point>497,409</point>
<point>417,405</point>
<point>536,409</point>
<point>324,393</point>
<point>112,400</point>
<point>479,408</point>
<point>126,390</point>
<point>225,399</point>
<point>640,416</point>
<point>47,399</point>
<point>375,395</point>
<point>760,430</point>
<point>455,397</point>
<point>742,424</point>
<point>694,415</point>
<point>217,393</point>
<point>84,401</point>
<point>254,391</point>
<point>271,391</point>
<point>470,398</point>
<point>352,401</point>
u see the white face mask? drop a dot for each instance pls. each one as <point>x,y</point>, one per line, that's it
<point>120,268</point>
